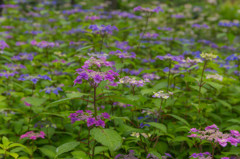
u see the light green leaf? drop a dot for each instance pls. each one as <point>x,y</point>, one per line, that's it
<point>107,137</point>
<point>66,147</point>
<point>180,119</point>
<point>159,126</point>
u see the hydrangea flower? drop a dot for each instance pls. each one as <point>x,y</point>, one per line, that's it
<point>212,134</point>
<point>148,10</point>
<point>52,89</point>
<point>7,74</point>
<point>208,56</point>
<point>23,56</point>
<point>204,155</point>
<point>161,94</point>
<point>44,44</point>
<point>88,118</point>
<point>215,76</point>
<point>170,57</point>
<point>33,136</point>
<point>34,79</point>
<point>3,45</point>
<point>132,81</point>
<point>103,29</point>
<point>123,54</point>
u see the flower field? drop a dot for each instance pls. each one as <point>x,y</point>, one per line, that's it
<point>119,79</point>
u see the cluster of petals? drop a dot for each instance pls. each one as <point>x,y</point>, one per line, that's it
<point>3,45</point>
<point>123,54</point>
<point>170,57</point>
<point>23,56</point>
<point>162,94</point>
<point>132,81</point>
<point>32,135</point>
<point>103,29</point>
<point>155,10</point>
<point>204,155</point>
<point>213,134</point>
<point>149,35</point>
<point>95,77</point>
<point>7,74</point>
<point>87,117</point>
<point>44,44</point>
<point>34,79</point>
<point>99,62</point>
<point>215,76</point>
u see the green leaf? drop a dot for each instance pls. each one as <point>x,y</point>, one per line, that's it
<point>80,155</point>
<point>35,101</point>
<point>107,137</point>
<point>48,150</point>
<point>99,149</point>
<point>180,119</point>
<point>5,142</point>
<point>70,97</point>
<point>66,147</point>
<point>159,126</point>
<point>224,103</point>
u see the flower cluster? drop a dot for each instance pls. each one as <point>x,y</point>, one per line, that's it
<point>123,54</point>
<point>165,28</point>
<point>15,67</point>
<point>177,16</point>
<point>208,56</point>
<point>216,77</point>
<point>44,44</point>
<point>129,156</point>
<point>150,76</point>
<point>213,134</point>
<point>123,45</point>
<point>148,10</point>
<point>101,62</point>
<point>132,81</point>
<point>125,15</point>
<point>205,26</point>
<point>32,135</point>
<point>7,74</point>
<point>52,89</point>
<point>103,29</point>
<point>228,24</point>
<point>3,45</point>
<point>23,56</point>
<point>92,18</point>
<point>87,117</point>
<point>95,77</point>
<point>170,57</point>
<point>204,155</point>
<point>136,134</point>
<point>149,35</point>
<point>161,94</point>
<point>34,79</point>
<point>122,104</point>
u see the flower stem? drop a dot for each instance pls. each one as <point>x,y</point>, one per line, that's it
<point>94,101</point>
<point>200,85</point>
<point>170,62</point>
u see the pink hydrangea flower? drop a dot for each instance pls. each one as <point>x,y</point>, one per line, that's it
<point>32,135</point>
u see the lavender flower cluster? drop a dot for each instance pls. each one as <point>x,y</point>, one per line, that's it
<point>87,117</point>
<point>213,134</point>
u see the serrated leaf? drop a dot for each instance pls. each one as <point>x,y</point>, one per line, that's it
<point>180,119</point>
<point>66,147</point>
<point>35,101</point>
<point>107,137</point>
<point>159,126</point>
<point>48,150</point>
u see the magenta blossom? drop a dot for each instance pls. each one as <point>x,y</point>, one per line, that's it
<point>33,136</point>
